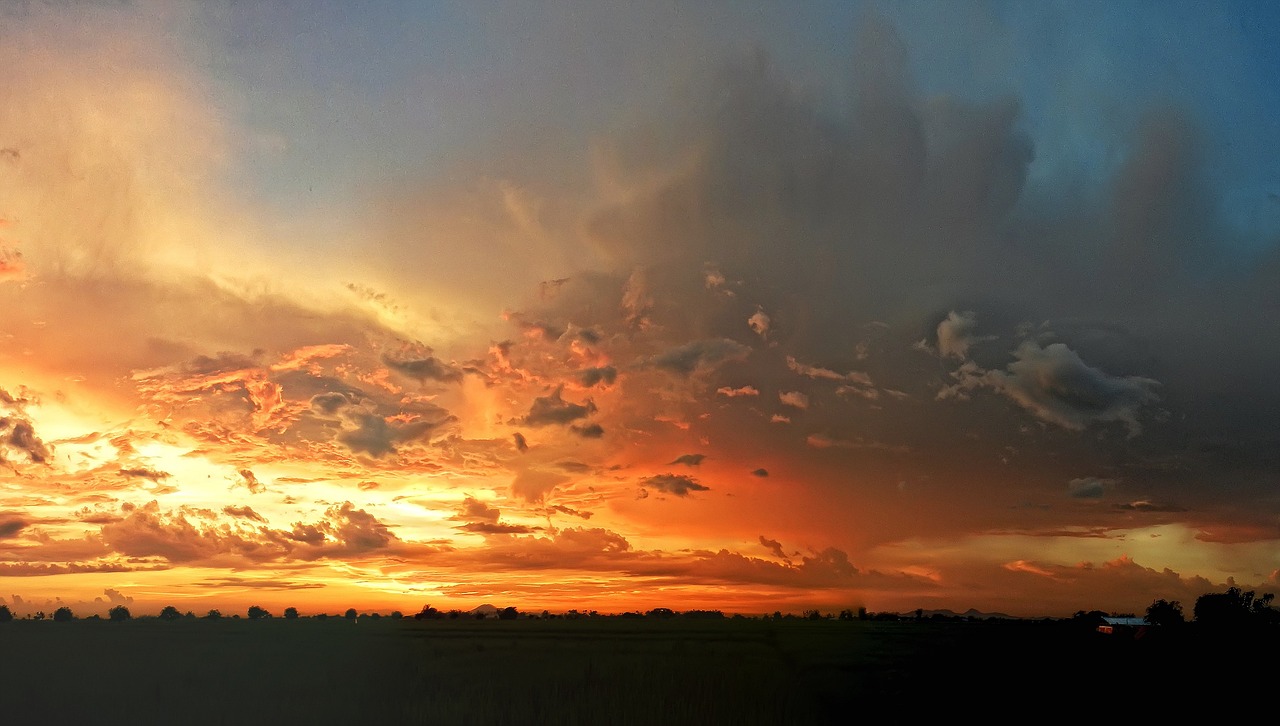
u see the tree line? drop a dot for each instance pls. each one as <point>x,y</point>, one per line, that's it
<point>1233,608</point>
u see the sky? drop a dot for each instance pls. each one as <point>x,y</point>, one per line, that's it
<point>750,306</point>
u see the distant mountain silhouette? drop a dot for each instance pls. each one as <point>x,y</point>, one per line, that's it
<point>970,613</point>
<point>486,609</point>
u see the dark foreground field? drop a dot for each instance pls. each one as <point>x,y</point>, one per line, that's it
<point>599,671</point>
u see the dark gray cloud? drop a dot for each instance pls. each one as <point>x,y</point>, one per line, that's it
<point>591,376</point>
<point>426,368</point>
<point>553,409</point>
<point>17,435</point>
<point>330,404</point>
<point>774,547</point>
<point>521,443</point>
<point>143,472</point>
<point>496,528</point>
<point>676,484</point>
<point>376,436</point>
<point>223,362</point>
<point>588,431</point>
<point>245,512</point>
<point>689,357</point>
<point>1089,487</point>
<point>689,459</point>
<point>1055,385</point>
<point>570,511</point>
<point>11,524</point>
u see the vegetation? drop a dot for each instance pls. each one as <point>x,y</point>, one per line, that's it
<point>642,667</point>
<point>1236,609</point>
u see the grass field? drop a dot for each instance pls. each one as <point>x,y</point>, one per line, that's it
<point>590,671</point>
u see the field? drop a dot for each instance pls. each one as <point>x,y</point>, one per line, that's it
<point>589,671</point>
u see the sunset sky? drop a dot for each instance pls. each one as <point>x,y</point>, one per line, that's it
<point>741,305</point>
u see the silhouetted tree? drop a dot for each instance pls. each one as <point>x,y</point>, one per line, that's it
<point>1235,608</point>
<point>5,614</point>
<point>256,612</point>
<point>428,613</point>
<point>1165,613</point>
<point>39,615</point>
<point>170,613</point>
<point>812,615</point>
<point>661,613</point>
<point>846,614</point>
<point>213,615</point>
<point>119,612</point>
<point>350,614</point>
<point>63,614</point>
<point>508,613</point>
<point>291,613</point>
<point>396,615</point>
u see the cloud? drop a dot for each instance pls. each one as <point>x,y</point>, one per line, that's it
<point>11,524</point>
<point>250,481</point>
<point>1089,487</point>
<point>589,431</point>
<point>853,382</point>
<point>355,531</point>
<point>426,368</point>
<point>759,323</point>
<point>690,459</point>
<point>374,435</point>
<point>636,301</point>
<point>699,354</point>
<point>477,511</point>
<point>521,443</point>
<point>532,485</point>
<point>245,512</point>
<point>956,334</point>
<point>143,472</point>
<point>735,392</point>
<point>676,484</point>
<point>795,399</point>
<point>329,404</point>
<point>762,473</point>
<point>774,547</point>
<point>496,528</point>
<point>589,377</point>
<point>553,409</point>
<point>43,569</point>
<point>146,531</point>
<point>17,435</point>
<point>1057,386</point>
<point>571,511</point>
